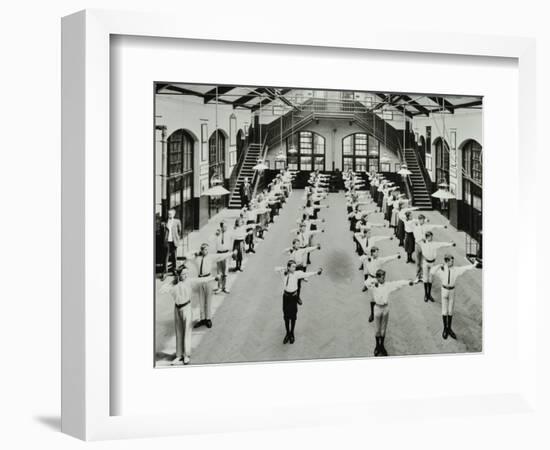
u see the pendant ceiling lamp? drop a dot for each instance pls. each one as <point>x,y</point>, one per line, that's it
<point>216,191</point>
<point>404,171</point>
<point>443,192</point>
<point>292,149</point>
<point>260,166</point>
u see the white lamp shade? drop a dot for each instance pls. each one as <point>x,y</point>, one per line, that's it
<point>216,191</point>
<point>443,194</point>
<point>404,171</point>
<point>260,166</point>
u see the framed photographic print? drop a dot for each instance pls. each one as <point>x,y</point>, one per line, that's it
<point>144,251</point>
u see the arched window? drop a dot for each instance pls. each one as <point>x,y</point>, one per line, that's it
<point>471,161</point>
<point>472,192</point>
<point>180,146</point>
<point>310,151</point>
<point>232,130</point>
<point>441,161</point>
<point>216,154</point>
<point>360,152</point>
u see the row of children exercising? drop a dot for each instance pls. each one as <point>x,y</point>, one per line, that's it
<point>417,240</point>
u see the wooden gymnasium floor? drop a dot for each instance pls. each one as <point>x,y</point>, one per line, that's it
<point>333,321</point>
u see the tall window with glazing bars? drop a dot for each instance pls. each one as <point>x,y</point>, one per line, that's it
<point>310,151</point>
<point>179,177</point>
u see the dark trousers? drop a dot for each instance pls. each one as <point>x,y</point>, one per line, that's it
<point>171,255</point>
<point>238,246</point>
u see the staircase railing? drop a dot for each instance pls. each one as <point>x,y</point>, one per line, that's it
<point>263,154</point>
<point>237,170</point>
<point>423,169</point>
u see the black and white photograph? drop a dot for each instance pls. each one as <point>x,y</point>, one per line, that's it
<point>302,224</point>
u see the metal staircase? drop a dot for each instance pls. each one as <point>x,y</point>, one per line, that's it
<point>250,160</point>
<point>420,194</point>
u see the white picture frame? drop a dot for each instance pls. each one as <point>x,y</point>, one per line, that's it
<point>86,258</point>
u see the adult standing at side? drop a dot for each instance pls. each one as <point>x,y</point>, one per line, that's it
<point>172,238</point>
<point>245,192</point>
<point>181,291</point>
<point>204,261</point>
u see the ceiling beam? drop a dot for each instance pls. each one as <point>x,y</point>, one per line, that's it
<point>185,91</point>
<point>446,104</point>
<point>469,104</point>
<point>219,90</point>
<point>387,100</point>
<point>250,96</point>
<point>181,90</point>
<point>268,100</point>
<point>416,105</point>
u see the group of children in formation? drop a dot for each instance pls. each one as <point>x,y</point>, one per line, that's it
<point>378,195</point>
<point>230,242</point>
<point>415,235</point>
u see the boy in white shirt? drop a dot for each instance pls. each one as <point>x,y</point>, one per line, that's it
<point>420,228</point>
<point>448,275</point>
<point>370,264</point>
<point>290,278</point>
<point>301,256</point>
<point>181,291</point>
<point>429,253</point>
<point>381,291</point>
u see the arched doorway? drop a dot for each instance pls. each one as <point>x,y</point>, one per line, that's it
<point>216,164</point>
<point>179,177</point>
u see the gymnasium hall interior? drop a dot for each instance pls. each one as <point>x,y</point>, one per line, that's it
<point>209,139</point>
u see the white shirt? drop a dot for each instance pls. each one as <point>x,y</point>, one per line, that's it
<point>300,255</point>
<point>371,265</point>
<point>204,263</point>
<point>182,292</point>
<point>290,280</point>
<point>223,241</point>
<point>381,293</point>
<point>448,275</point>
<point>420,230</point>
<point>251,214</point>
<point>240,233</point>
<point>429,249</point>
<point>169,225</point>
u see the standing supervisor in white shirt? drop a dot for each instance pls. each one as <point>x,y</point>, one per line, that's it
<point>448,275</point>
<point>172,239</point>
<point>204,262</point>
<point>381,291</point>
<point>181,291</point>
<point>290,277</point>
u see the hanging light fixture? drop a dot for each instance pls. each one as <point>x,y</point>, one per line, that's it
<point>280,156</point>
<point>260,165</point>
<point>292,149</point>
<point>443,192</point>
<point>404,171</point>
